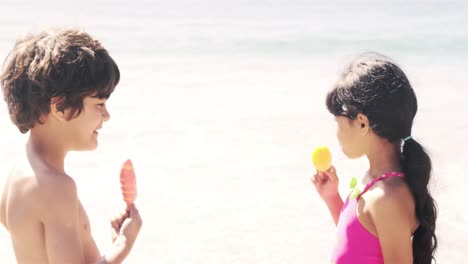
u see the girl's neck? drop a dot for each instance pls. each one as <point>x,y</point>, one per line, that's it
<point>383,157</point>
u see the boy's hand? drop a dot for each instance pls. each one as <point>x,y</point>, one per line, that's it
<point>326,183</point>
<point>127,224</point>
<point>125,228</point>
<point>117,221</point>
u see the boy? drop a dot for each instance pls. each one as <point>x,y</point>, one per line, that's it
<point>56,85</point>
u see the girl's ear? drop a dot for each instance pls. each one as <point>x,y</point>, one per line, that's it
<point>56,113</point>
<point>363,122</point>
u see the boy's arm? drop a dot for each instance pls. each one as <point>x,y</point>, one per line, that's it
<point>64,239</point>
<point>61,223</point>
<point>117,254</point>
<point>90,249</point>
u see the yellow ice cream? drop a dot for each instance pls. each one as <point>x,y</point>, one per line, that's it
<point>321,158</point>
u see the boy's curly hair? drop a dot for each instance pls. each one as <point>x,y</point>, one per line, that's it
<point>65,65</point>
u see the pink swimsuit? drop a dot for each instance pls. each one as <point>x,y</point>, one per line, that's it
<point>354,243</point>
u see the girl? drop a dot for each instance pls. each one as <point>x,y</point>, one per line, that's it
<point>392,218</point>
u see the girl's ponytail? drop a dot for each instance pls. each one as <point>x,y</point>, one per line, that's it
<point>417,168</point>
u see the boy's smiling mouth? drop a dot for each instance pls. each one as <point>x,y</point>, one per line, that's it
<point>96,130</point>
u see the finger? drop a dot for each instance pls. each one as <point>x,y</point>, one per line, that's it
<point>115,223</point>
<point>118,220</point>
<point>114,234</point>
<point>321,177</point>
<point>124,211</point>
<point>123,215</point>
<point>313,179</point>
<point>134,213</point>
<point>316,182</point>
<point>331,173</point>
<point>132,210</point>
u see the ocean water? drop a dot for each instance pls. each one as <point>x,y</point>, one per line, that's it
<point>305,29</point>
<point>220,104</point>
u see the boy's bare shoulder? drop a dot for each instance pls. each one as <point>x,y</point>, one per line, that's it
<point>43,187</point>
<point>35,194</point>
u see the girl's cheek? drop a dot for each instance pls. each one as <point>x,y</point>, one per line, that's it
<point>339,131</point>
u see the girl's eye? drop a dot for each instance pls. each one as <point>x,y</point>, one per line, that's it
<point>102,104</point>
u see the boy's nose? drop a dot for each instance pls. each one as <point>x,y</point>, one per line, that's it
<point>105,115</point>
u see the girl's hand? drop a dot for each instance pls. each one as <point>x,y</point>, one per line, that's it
<point>326,183</point>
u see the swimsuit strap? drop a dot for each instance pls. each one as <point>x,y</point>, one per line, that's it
<point>382,177</point>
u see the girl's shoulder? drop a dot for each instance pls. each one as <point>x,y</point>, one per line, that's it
<point>390,194</point>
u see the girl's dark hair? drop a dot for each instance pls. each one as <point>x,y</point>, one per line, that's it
<point>376,87</point>
<point>65,64</point>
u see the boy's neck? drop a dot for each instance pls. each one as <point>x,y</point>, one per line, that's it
<point>46,148</point>
<point>384,157</point>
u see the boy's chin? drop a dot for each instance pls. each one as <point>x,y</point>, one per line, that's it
<point>92,147</point>
<point>89,147</point>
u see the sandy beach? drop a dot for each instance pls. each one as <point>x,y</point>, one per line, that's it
<point>220,114</point>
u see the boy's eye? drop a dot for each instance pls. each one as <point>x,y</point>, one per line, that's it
<point>102,104</point>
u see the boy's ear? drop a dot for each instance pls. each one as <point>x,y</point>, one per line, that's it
<point>363,122</point>
<point>56,113</point>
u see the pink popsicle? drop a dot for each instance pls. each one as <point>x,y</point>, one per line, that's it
<point>128,182</point>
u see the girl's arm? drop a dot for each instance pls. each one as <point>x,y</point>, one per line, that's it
<point>393,218</point>
<point>334,205</point>
<point>326,184</point>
